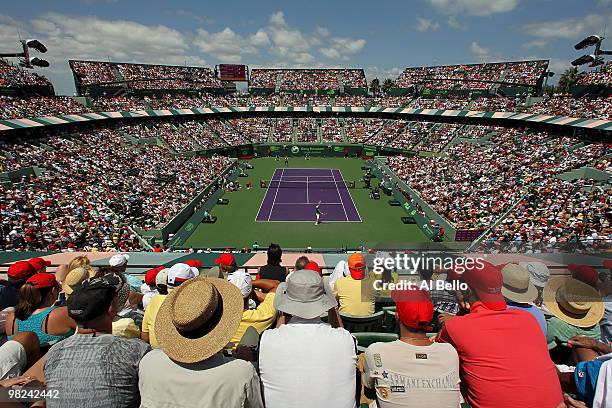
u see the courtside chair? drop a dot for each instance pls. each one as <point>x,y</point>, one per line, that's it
<point>356,324</point>
<point>365,339</point>
<point>389,323</point>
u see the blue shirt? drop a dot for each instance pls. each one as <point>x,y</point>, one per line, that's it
<point>534,311</point>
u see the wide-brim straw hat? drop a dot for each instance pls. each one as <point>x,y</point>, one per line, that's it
<point>198,319</point>
<point>517,285</point>
<point>573,302</point>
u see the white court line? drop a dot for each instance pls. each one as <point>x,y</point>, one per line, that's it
<point>307,200</point>
<point>265,195</point>
<point>275,194</point>
<point>322,203</point>
<point>339,195</point>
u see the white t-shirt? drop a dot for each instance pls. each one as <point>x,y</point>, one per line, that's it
<point>216,382</point>
<point>307,363</point>
<point>405,375</point>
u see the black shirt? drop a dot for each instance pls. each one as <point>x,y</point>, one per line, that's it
<point>9,296</point>
<point>275,272</point>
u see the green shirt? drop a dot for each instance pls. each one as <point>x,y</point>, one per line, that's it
<point>317,211</point>
<point>564,331</point>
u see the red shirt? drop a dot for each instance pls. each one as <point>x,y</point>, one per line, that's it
<point>503,359</point>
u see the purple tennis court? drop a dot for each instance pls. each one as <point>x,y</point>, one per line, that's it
<point>293,194</point>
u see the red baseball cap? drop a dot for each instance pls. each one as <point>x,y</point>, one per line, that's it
<point>39,263</point>
<point>151,274</point>
<point>196,263</point>
<point>225,260</point>
<point>487,283</point>
<point>20,270</point>
<point>43,280</point>
<point>414,308</point>
<point>313,266</point>
<point>607,263</point>
<point>586,274</point>
<point>356,264</point>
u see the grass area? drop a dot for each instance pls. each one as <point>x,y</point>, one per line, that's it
<point>236,225</point>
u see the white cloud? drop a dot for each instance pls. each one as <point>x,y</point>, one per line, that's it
<point>454,23</point>
<point>229,46</point>
<point>536,44</point>
<point>382,73</point>
<point>479,51</point>
<point>474,7</point>
<point>566,29</point>
<point>425,24</point>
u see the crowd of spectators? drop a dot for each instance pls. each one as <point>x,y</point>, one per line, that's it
<point>203,134</point>
<point>307,130</point>
<point>359,130</point>
<point>307,79</point>
<point>36,106</point>
<point>119,103</point>
<point>331,130</point>
<point>255,129</point>
<point>144,185</point>
<point>13,76</point>
<point>283,130</point>
<point>387,133</point>
<point>473,76</point>
<point>565,105</point>
<point>227,132</point>
<point>555,212</point>
<point>599,76</point>
<point>144,76</point>
<point>473,185</point>
<point>412,135</point>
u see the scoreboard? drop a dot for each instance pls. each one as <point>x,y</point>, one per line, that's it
<point>231,72</point>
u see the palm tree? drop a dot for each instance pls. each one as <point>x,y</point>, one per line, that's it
<point>375,86</point>
<point>387,85</point>
<point>569,79</point>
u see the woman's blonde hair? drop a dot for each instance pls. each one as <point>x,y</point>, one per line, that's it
<point>80,261</point>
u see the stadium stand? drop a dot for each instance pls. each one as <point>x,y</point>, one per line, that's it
<point>307,79</point>
<point>474,76</point>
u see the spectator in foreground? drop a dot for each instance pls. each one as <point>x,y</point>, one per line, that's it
<point>355,294</point>
<point>17,275</point>
<point>18,354</point>
<point>519,292</point>
<point>307,363</point>
<point>37,313</point>
<point>301,263</point>
<point>93,368</point>
<point>576,307</point>
<point>416,362</point>
<point>263,315</point>
<point>497,346</point>
<point>39,264</point>
<point>195,323</point>
<point>177,274</point>
<point>273,269</point>
<point>227,265</point>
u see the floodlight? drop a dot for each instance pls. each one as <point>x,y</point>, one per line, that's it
<point>37,45</point>
<point>588,42</point>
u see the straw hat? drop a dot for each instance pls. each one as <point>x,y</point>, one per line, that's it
<point>198,319</point>
<point>517,285</point>
<point>75,277</point>
<point>573,302</point>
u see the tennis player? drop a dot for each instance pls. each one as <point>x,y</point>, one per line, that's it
<point>318,213</point>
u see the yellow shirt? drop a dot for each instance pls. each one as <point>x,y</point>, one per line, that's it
<point>349,292</point>
<point>148,321</point>
<point>125,328</point>
<point>260,318</point>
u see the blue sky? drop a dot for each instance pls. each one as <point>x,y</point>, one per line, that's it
<point>381,37</point>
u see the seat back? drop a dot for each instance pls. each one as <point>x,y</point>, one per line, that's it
<point>365,339</point>
<point>355,324</point>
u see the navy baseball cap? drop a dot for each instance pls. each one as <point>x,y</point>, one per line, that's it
<point>92,298</point>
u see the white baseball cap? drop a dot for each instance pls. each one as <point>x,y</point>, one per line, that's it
<point>242,281</point>
<point>119,260</point>
<point>180,272</point>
